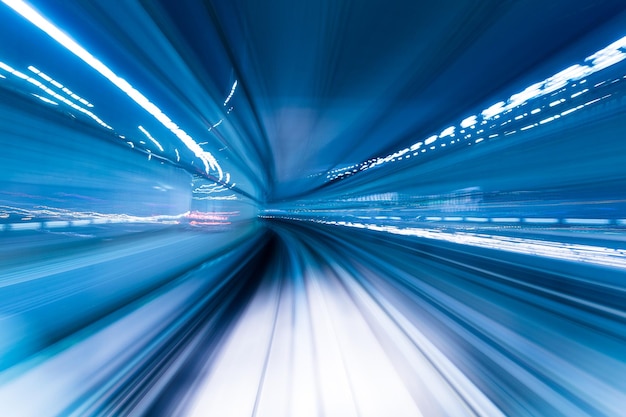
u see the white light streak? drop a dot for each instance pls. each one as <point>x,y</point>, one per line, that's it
<point>53,94</point>
<point>42,23</point>
<point>493,110</point>
<point>449,131</point>
<point>58,85</point>
<point>149,136</point>
<point>594,222</point>
<point>232,91</point>
<point>47,100</point>
<point>579,93</point>
<point>556,250</point>
<point>469,121</point>
<point>416,146</point>
<point>536,220</point>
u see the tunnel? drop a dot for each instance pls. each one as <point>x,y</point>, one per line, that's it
<point>312,208</point>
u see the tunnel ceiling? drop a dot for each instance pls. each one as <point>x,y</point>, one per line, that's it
<point>281,92</point>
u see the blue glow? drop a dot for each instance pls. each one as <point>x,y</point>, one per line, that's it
<point>418,210</point>
<point>54,32</point>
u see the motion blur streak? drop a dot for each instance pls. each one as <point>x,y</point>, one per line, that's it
<point>296,208</point>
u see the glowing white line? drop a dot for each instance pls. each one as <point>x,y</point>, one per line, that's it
<point>232,91</point>
<point>149,136</point>
<point>24,226</point>
<point>587,221</point>
<point>541,220</point>
<point>39,85</point>
<point>55,33</point>
<point>56,223</point>
<point>557,250</point>
<point>505,219</point>
<point>47,100</point>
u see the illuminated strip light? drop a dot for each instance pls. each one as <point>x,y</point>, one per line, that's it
<point>449,131</point>
<point>595,222</point>
<point>556,250</point>
<point>469,121</point>
<point>55,33</point>
<point>539,220</point>
<point>600,60</point>
<point>59,97</point>
<point>608,56</point>
<point>228,197</point>
<point>149,136</point>
<point>47,100</point>
<point>78,218</point>
<point>579,93</point>
<point>592,101</point>
<point>547,120</point>
<point>56,224</point>
<point>209,189</point>
<point>493,110</point>
<point>416,146</point>
<point>232,91</point>
<point>505,219</point>
<point>24,226</point>
<point>61,87</point>
<point>477,219</point>
<point>572,110</point>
